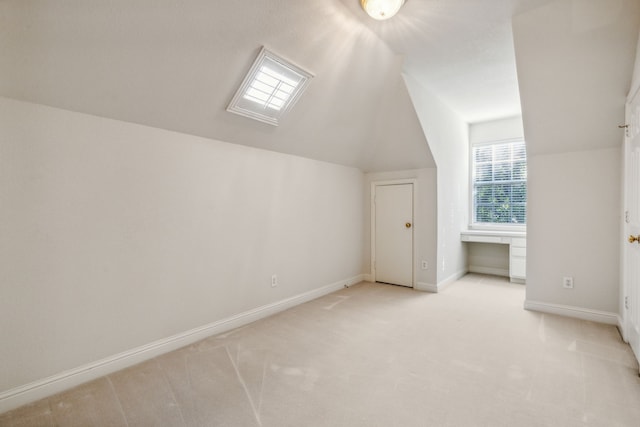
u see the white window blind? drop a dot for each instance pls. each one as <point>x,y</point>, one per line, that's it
<point>499,173</point>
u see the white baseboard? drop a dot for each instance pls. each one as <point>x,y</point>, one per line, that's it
<point>622,329</point>
<point>430,287</point>
<point>367,278</point>
<point>451,279</point>
<point>575,312</point>
<point>40,389</point>
<point>426,287</point>
<point>489,270</point>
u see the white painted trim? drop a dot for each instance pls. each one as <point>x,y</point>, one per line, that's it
<point>575,312</point>
<point>451,279</point>
<point>367,278</point>
<point>489,270</point>
<point>426,287</point>
<point>622,329</point>
<point>39,389</point>
<point>430,287</point>
<point>372,206</point>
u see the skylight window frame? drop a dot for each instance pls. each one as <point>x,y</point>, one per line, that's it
<point>265,110</point>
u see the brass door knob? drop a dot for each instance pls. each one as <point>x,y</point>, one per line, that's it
<point>408,225</point>
<point>633,238</point>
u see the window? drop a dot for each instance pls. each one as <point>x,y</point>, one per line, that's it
<point>270,88</point>
<point>499,182</point>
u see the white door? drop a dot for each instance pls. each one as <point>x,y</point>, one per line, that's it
<point>631,251</point>
<point>393,242</point>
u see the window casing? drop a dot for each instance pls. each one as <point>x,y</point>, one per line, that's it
<point>270,89</point>
<point>499,184</point>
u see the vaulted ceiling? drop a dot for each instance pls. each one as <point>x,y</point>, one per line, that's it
<point>175,64</point>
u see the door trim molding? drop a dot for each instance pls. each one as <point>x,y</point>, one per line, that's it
<point>628,285</point>
<point>372,205</point>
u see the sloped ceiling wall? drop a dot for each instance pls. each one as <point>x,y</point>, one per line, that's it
<point>175,65</point>
<point>574,61</point>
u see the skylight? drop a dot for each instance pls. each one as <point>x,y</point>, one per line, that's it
<point>270,89</point>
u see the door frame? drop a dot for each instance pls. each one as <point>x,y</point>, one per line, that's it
<point>372,205</point>
<point>625,323</point>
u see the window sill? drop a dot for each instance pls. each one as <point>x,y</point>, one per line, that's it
<point>499,228</point>
<point>496,233</point>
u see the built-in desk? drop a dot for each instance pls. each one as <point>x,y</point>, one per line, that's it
<point>517,241</point>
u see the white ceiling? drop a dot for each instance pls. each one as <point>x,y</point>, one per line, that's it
<point>175,64</point>
<point>460,49</point>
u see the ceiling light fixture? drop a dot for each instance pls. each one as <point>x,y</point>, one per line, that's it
<point>381,9</point>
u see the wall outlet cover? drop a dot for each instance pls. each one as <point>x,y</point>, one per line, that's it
<point>567,282</point>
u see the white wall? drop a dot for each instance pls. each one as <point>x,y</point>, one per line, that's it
<point>574,62</point>
<point>496,130</point>
<point>397,141</point>
<point>635,78</point>
<point>448,138</point>
<point>424,221</point>
<point>574,228</point>
<point>113,235</point>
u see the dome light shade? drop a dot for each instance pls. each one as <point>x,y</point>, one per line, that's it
<point>381,9</point>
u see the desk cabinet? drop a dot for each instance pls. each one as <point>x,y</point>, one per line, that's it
<point>517,242</point>
<point>518,260</point>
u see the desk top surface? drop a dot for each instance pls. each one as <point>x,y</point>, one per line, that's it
<point>493,233</point>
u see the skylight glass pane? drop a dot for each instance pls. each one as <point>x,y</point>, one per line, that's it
<point>276,102</point>
<point>262,87</point>
<point>258,95</point>
<point>270,89</point>
<point>268,80</point>
<point>281,95</point>
<point>286,88</point>
<point>279,77</point>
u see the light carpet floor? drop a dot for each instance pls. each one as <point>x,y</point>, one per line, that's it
<point>375,355</point>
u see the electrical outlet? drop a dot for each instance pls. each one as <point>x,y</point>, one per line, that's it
<point>274,281</point>
<point>567,282</point>
<point>425,265</point>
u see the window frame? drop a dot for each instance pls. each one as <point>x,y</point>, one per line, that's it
<point>493,226</point>
<point>252,107</point>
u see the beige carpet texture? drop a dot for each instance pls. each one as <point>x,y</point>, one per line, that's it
<point>375,355</point>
